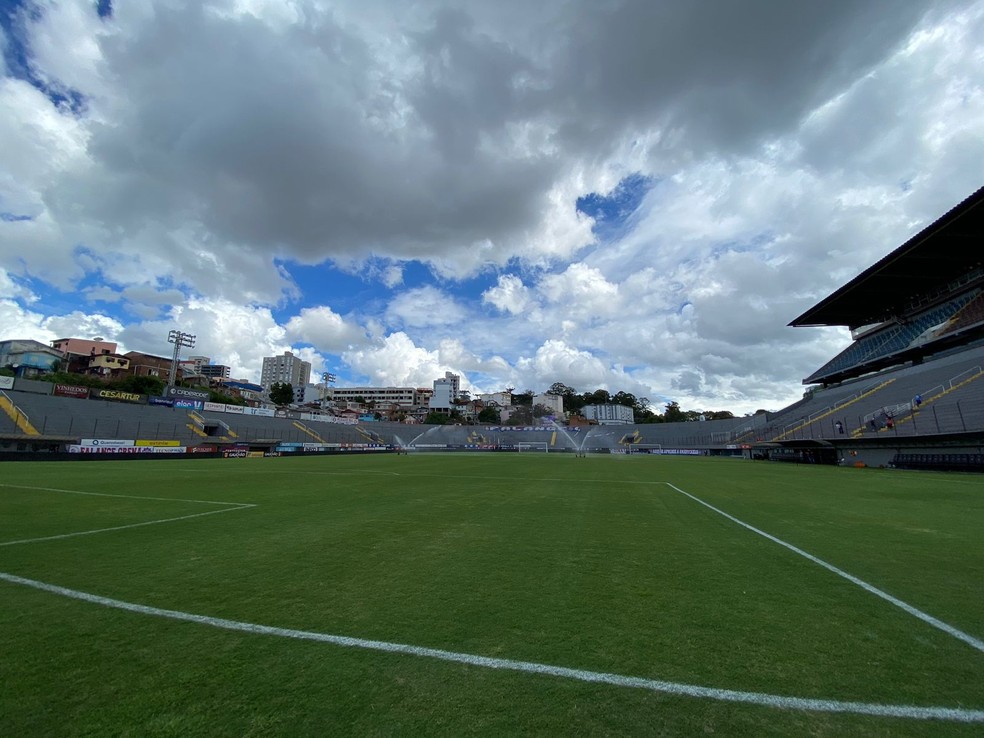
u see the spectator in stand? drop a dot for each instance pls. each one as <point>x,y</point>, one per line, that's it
<point>839,426</point>
<point>917,401</point>
<point>889,422</point>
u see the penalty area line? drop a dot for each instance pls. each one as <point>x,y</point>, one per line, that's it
<point>916,712</point>
<point>125,497</point>
<point>122,527</point>
<point>970,640</point>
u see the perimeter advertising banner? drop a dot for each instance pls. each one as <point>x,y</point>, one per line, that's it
<point>106,442</point>
<point>116,395</point>
<point>156,443</point>
<point>186,394</point>
<point>80,449</point>
<point>165,401</point>
<point>69,390</point>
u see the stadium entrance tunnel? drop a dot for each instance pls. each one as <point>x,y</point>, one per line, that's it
<point>806,451</point>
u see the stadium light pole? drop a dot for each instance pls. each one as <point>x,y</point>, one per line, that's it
<point>325,379</point>
<point>179,339</point>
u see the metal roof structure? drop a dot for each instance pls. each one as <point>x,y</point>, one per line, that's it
<point>941,253</point>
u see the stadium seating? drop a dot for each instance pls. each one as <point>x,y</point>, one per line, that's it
<point>891,339</point>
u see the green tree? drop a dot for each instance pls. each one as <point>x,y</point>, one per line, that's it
<point>281,393</point>
<point>435,418</point>
<point>489,414</point>
<point>520,415</point>
<point>142,385</point>
<point>673,413</point>
<point>523,398</point>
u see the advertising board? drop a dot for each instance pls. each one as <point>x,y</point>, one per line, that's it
<point>116,395</point>
<point>69,390</point>
<point>6,382</point>
<point>106,442</point>
<point>187,394</point>
<point>156,443</point>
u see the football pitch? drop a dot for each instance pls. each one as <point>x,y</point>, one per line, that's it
<point>489,594</point>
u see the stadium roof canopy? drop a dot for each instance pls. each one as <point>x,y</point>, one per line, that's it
<point>936,256</point>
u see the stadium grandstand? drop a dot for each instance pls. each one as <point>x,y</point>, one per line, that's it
<point>908,391</point>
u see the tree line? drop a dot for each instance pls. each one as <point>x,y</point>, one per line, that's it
<point>575,402</point>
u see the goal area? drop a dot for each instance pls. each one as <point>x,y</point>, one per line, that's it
<point>528,446</point>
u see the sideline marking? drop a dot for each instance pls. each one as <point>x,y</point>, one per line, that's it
<point>975,643</point>
<point>230,506</point>
<point>915,712</point>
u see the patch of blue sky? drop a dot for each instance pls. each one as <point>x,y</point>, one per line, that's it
<point>612,212</point>
<point>16,56</point>
<point>104,8</point>
<point>366,293</point>
<point>14,217</point>
<point>323,284</point>
<point>52,301</point>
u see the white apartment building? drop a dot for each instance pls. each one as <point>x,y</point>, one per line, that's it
<point>446,391</point>
<point>289,369</point>
<point>609,414</point>
<point>406,397</point>
<point>502,399</point>
<point>554,402</point>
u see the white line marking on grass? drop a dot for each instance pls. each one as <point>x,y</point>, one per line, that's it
<point>229,507</point>
<point>975,643</point>
<point>121,527</point>
<point>952,714</point>
<point>125,497</point>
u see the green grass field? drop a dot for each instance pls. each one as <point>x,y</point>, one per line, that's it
<point>589,564</point>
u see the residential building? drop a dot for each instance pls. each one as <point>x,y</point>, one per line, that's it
<point>502,399</point>
<point>84,346</point>
<point>403,396</point>
<point>444,394</point>
<point>29,358</point>
<point>286,369</point>
<point>148,365</point>
<point>110,366</point>
<point>609,414</point>
<point>196,363</point>
<point>215,371</point>
<point>253,394</point>
<point>554,402</point>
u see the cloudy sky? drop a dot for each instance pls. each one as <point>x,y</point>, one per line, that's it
<point>634,195</point>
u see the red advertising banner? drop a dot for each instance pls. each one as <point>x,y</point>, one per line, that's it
<point>68,390</point>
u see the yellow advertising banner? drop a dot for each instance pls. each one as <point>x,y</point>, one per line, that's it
<point>157,443</point>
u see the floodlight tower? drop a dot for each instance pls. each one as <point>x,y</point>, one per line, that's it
<point>179,339</point>
<point>326,378</point>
